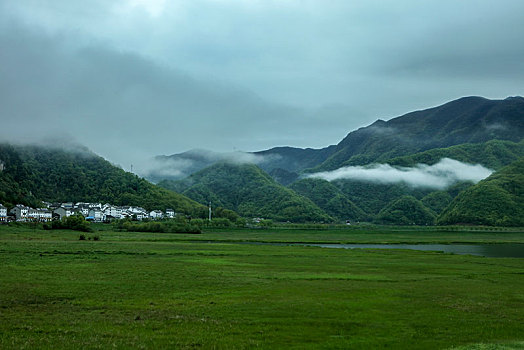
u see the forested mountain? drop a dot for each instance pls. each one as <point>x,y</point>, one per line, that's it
<point>493,154</point>
<point>470,120</point>
<point>472,130</point>
<point>406,210</point>
<point>31,174</point>
<point>497,200</point>
<point>330,199</point>
<point>466,120</point>
<point>249,191</point>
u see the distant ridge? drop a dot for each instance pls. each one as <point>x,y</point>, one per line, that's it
<point>465,120</point>
<point>471,130</point>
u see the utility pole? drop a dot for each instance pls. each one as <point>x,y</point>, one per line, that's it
<point>209,211</point>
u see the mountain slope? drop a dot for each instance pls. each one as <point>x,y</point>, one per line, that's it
<point>406,210</point>
<point>31,174</point>
<point>249,191</point>
<point>493,154</point>
<point>466,120</point>
<point>497,200</point>
<point>283,162</point>
<point>293,159</point>
<point>329,198</point>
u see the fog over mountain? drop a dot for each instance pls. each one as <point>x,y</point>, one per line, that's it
<point>184,164</point>
<point>131,79</point>
<point>438,176</point>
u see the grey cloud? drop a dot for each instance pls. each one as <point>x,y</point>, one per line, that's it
<point>379,129</point>
<point>439,176</point>
<point>131,81</point>
<point>125,106</point>
<point>185,164</point>
<point>496,126</point>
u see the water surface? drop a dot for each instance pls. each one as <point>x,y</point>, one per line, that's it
<point>502,250</point>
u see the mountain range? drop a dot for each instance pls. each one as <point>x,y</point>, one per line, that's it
<point>471,130</point>
<point>420,168</point>
<point>468,120</point>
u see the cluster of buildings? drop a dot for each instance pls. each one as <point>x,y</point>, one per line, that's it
<point>91,211</point>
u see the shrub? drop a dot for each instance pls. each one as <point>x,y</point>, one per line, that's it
<point>220,222</point>
<point>73,222</point>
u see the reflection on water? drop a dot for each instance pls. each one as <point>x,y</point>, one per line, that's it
<point>503,250</point>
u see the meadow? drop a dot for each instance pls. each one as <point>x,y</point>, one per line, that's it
<point>184,291</point>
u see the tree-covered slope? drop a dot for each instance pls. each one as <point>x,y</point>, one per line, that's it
<point>493,154</point>
<point>497,200</point>
<point>372,197</point>
<point>406,210</point>
<point>466,120</point>
<point>32,174</point>
<point>329,198</point>
<point>437,201</point>
<point>249,191</point>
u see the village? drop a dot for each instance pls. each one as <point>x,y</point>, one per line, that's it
<point>95,212</point>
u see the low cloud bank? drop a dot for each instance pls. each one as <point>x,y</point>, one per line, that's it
<point>439,176</point>
<point>184,164</point>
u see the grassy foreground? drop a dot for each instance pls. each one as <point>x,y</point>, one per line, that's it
<point>132,290</point>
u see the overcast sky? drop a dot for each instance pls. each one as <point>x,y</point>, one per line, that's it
<point>131,79</point>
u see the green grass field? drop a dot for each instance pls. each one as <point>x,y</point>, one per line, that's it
<point>144,290</point>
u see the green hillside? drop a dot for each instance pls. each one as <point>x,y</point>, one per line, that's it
<point>466,120</point>
<point>497,200</point>
<point>32,174</point>
<point>406,210</point>
<point>437,201</point>
<point>373,197</point>
<point>493,154</point>
<point>329,198</point>
<point>249,191</point>
<point>473,130</point>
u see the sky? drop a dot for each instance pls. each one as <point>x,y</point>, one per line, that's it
<point>131,79</point>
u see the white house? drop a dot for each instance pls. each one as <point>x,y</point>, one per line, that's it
<point>63,212</point>
<point>156,214</point>
<point>113,212</point>
<point>96,214</point>
<point>137,213</point>
<point>3,213</point>
<point>45,214</point>
<point>41,214</point>
<point>20,211</point>
<point>83,209</point>
<point>170,213</point>
<point>142,216</point>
